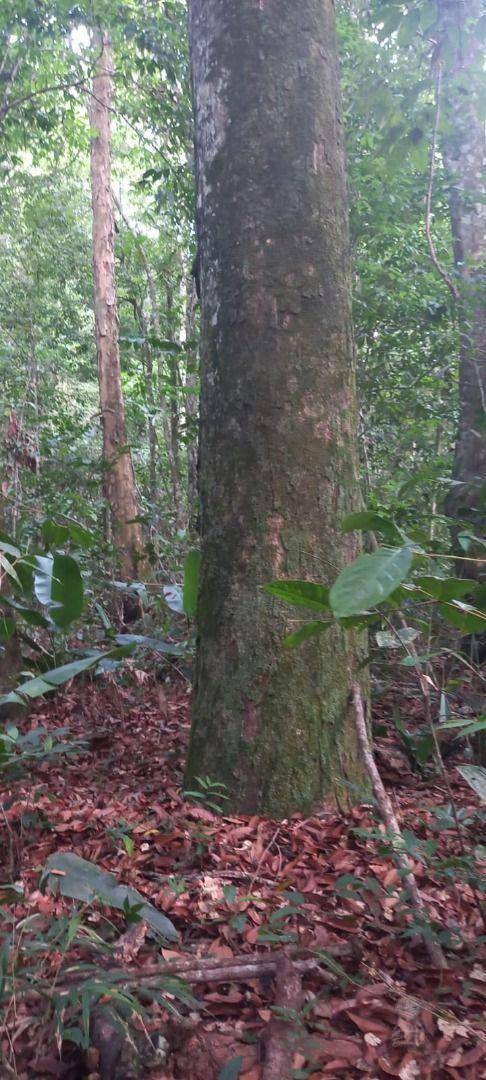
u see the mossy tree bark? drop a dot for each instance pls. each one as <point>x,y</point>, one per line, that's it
<point>119,486</point>
<point>463,146</point>
<point>278,456</point>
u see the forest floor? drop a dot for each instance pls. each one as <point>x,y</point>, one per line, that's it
<point>233,886</point>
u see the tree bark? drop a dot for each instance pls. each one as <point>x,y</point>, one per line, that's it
<point>173,449</point>
<point>147,351</point>
<point>278,453</point>
<point>192,406</point>
<point>119,486</point>
<point>463,147</point>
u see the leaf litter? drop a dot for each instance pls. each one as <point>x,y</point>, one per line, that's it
<point>236,888</point>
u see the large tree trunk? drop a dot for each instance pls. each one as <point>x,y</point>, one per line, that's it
<point>119,483</point>
<point>463,147</point>
<point>278,466</point>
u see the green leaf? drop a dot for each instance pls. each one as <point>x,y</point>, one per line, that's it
<point>157,645</point>
<point>464,617</point>
<point>369,580</point>
<point>7,628</point>
<point>475,728</point>
<point>417,661</point>
<point>370,521</point>
<point>54,535</point>
<point>307,594</point>
<point>7,545</point>
<point>475,776</point>
<point>9,569</point>
<point>446,588</point>
<point>49,680</point>
<point>191,583</point>
<point>31,616</point>
<point>467,727</point>
<point>305,632</point>
<point>359,621</point>
<point>81,536</point>
<point>58,586</point>
<point>66,873</point>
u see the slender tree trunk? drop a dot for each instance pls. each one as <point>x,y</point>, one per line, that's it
<point>463,147</point>
<point>147,351</point>
<point>278,465</point>
<point>191,404</point>
<point>152,435</point>
<point>119,477</point>
<point>173,449</point>
<point>148,366</point>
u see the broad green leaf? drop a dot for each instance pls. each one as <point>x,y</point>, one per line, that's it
<point>53,534</point>
<point>58,586</point>
<point>370,521</point>
<point>369,580</point>
<point>81,536</point>
<point>464,617</point>
<point>359,622</point>
<point>49,680</point>
<point>475,728</point>
<point>475,776</point>
<point>307,594</point>
<point>467,727</point>
<point>446,588</point>
<point>191,583</point>
<point>305,632</point>
<point>68,874</point>
<point>7,545</point>
<point>31,616</point>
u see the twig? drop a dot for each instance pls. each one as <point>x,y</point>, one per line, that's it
<point>263,857</point>
<point>428,200</point>
<point>281,1032</point>
<point>388,815</point>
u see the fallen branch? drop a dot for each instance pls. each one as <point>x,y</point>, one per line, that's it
<point>388,815</point>
<point>280,1041</point>
<point>193,970</point>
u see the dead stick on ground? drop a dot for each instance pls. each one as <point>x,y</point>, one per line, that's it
<point>282,1032</point>
<point>263,857</point>
<point>388,815</point>
<point>194,970</point>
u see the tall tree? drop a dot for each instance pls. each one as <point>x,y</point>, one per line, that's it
<point>119,477</point>
<point>278,466</point>
<point>463,145</point>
